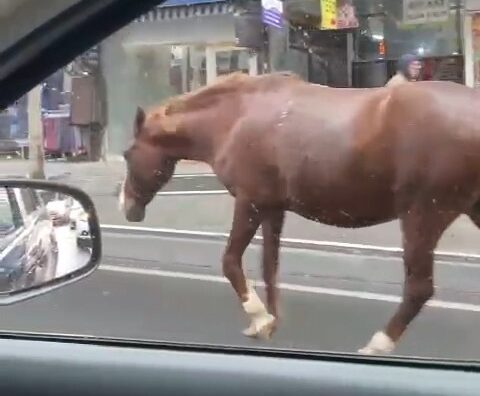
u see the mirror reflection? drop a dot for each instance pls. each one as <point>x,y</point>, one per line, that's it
<point>44,235</point>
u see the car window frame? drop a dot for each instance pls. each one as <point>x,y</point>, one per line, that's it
<point>36,56</point>
<point>30,60</point>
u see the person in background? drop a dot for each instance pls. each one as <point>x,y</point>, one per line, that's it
<point>409,68</point>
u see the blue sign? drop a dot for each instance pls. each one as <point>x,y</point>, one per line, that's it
<point>176,3</point>
<point>272,13</point>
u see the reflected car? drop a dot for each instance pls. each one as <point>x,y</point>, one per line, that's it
<point>79,223</point>
<point>28,245</point>
<point>59,210</point>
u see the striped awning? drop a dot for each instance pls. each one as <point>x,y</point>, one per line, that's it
<point>181,9</point>
<point>177,3</point>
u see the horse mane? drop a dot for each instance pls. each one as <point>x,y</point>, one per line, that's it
<point>208,95</point>
<point>229,83</point>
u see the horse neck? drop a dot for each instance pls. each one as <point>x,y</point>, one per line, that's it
<point>207,129</point>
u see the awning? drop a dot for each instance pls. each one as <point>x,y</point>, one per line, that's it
<point>177,3</point>
<point>180,9</point>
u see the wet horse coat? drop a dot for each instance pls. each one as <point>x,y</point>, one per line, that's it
<point>344,157</point>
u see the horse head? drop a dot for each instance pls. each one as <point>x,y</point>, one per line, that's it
<point>151,161</point>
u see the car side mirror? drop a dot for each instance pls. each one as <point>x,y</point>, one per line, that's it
<point>49,237</point>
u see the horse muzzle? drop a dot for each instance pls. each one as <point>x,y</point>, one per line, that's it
<point>135,213</point>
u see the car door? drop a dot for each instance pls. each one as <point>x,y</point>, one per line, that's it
<point>15,241</point>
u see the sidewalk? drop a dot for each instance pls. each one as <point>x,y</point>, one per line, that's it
<point>214,213</point>
<point>95,178</point>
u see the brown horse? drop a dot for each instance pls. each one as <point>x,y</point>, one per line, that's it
<point>344,157</point>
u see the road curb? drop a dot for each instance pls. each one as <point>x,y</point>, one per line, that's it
<point>324,246</point>
<point>57,177</point>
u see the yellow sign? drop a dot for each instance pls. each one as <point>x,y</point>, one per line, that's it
<point>329,14</point>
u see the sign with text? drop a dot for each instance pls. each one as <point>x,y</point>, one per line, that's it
<point>272,13</point>
<point>328,9</point>
<point>425,11</point>
<point>346,15</point>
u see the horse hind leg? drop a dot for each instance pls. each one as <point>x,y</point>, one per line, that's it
<point>272,224</point>
<point>421,231</point>
<point>246,221</point>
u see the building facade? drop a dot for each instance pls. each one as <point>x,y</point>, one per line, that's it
<point>361,47</point>
<point>184,44</point>
<point>175,48</point>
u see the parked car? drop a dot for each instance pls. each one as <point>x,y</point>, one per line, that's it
<point>28,246</point>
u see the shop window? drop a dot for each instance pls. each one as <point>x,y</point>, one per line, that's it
<point>232,61</point>
<point>383,32</point>
<point>370,39</point>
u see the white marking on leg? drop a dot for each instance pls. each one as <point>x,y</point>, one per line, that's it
<point>378,345</point>
<point>261,321</point>
<point>121,198</point>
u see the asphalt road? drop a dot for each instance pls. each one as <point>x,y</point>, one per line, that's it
<point>173,290</point>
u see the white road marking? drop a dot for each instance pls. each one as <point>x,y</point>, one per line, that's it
<point>295,243</point>
<point>194,192</point>
<point>291,287</point>
<point>193,175</point>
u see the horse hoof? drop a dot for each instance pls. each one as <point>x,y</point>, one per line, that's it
<point>261,327</point>
<point>368,351</point>
<point>250,331</point>
<point>380,344</point>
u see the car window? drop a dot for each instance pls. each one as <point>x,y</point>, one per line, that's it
<point>7,224</point>
<point>113,123</point>
<point>29,199</point>
<point>28,15</point>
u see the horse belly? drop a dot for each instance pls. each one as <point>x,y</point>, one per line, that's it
<point>346,207</point>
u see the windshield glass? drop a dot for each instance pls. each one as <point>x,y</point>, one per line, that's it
<point>7,224</point>
<point>329,140</point>
<point>27,16</point>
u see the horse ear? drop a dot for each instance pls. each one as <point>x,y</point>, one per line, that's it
<point>139,121</point>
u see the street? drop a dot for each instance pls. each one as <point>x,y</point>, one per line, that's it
<point>173,290</point>
<point>214,212</point>
<point>157,287</point>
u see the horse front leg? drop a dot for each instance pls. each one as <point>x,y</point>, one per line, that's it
<point>421,232</point>
<point>246,220</point>
<point>272,225</point>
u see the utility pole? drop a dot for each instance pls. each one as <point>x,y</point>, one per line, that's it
<point>35,135</point>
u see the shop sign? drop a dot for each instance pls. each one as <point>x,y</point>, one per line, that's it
<point>425,11</point>
<point>338,14</point>
<point>476,47</point>
<point>346,16</point>
<point>328,9</point>
<point>272,13</point>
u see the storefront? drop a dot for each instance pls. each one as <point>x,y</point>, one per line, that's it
<point>472,43</point>
<point>357,42</point>
<point>173,49</point>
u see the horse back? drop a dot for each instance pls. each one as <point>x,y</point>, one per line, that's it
<point>308,145</point>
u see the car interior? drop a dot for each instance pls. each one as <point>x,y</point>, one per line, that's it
<point>62,364</point>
